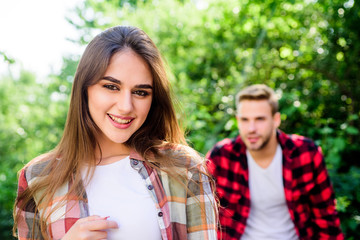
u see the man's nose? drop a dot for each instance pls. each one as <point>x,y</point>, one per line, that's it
<point>252,126</point>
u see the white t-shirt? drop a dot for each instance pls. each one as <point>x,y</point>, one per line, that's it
<point>117,190</point>
<point>269,215</point>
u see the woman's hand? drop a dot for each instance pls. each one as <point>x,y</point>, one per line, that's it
<point>90,228</point>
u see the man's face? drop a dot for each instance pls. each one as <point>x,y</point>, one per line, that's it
<point>257,125</point>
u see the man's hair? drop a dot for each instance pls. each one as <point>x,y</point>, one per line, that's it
<point>258,92</point>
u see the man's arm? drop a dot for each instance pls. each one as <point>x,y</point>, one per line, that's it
<point>325,216</point>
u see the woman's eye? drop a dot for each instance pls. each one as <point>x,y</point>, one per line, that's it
<point>141,93</point>
<point>111,87</point>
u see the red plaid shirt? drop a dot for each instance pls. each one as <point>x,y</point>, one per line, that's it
<point>308,191</point>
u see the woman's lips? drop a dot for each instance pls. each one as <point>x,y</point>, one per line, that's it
<point>120,120</point>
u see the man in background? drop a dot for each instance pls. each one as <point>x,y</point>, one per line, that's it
<point>271,185</point>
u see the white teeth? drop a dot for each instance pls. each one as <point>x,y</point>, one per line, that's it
<point>119,120</point>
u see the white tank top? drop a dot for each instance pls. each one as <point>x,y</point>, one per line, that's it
<point>269,215</point>
<point>117,190</point>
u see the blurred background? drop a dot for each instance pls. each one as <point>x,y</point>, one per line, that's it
<point>308,51</point>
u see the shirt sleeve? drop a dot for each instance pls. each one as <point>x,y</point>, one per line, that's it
<point>28,223</point>
<point>201,208</point>
<point>212,159</point>
<point>325,216</point>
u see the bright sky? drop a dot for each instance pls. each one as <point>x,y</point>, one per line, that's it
<point>34,33</point>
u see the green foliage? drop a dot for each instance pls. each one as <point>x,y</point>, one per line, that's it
<point>308,51</point>
<point>32,118</point>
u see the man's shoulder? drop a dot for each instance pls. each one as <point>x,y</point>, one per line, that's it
<point>229,148</point>
<point>293,141</point>
<point>302,150</point>
<point>228,144</point>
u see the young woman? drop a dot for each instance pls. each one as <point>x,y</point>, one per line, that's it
<point>122,169</point>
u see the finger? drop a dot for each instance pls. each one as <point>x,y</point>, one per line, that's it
<point>98,225</point>
<point>90,218</point>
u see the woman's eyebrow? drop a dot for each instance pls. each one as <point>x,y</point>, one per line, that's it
<point>111,79</point>
<point>144,86</point>
<point>114,80</point>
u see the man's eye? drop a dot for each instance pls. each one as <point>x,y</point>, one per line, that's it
<point>111,87</point>
<point>141,93</point>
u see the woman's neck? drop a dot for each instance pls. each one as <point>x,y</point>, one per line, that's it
<point>109,152</point>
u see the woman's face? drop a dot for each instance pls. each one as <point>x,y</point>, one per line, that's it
<point>120,102</point>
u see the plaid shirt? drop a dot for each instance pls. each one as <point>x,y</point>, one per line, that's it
<point>182,215</point>
<point>308,191</point>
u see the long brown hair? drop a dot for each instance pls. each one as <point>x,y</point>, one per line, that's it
<point>78,143</point>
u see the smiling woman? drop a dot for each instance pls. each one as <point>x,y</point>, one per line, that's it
<point>120,102</point>
<point>122,161</point>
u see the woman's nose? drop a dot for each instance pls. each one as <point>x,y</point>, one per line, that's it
<point>125,102</point>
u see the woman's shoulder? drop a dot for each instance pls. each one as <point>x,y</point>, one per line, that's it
<point>36,166</point>
<point>186,155</point>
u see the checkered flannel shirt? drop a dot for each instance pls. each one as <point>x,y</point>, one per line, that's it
<point>181,214</point>
<point>308,191</point>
